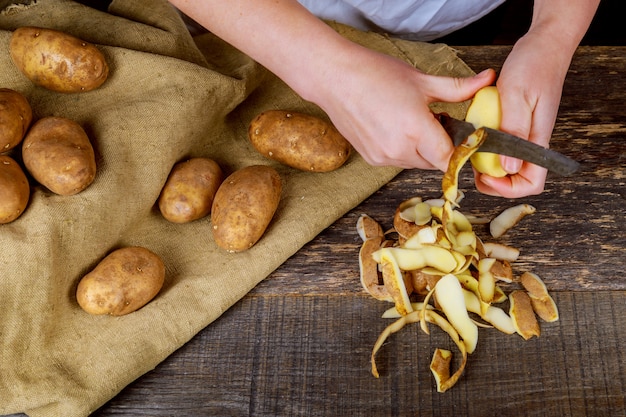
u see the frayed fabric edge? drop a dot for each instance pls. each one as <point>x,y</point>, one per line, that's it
<point>14,8</point>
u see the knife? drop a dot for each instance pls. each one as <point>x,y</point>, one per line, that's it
<point>506,144</point>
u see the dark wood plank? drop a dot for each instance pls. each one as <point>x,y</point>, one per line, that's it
<point>309,356</point>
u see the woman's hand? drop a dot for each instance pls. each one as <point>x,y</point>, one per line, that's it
<point>381,106</point>
<point>530,86</point>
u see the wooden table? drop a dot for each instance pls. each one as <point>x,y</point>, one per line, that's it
<point>299,344</point>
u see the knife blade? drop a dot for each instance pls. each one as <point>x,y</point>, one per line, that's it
<point>506,144</point>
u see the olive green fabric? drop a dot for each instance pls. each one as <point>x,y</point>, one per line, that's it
<point>169,96</point>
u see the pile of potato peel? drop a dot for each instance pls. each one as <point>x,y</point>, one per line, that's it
<point>435,257</point>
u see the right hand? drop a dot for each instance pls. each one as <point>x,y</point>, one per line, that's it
<point>380,104</point>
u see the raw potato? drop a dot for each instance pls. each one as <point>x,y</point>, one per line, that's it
<point>123,282</point>
<point>14,190</point>
<point>58,154</point>
<point>189,190</point>
<point>244,205</point>
<point>58,61</point>
<point>299,140</point>
<point>15,117</point>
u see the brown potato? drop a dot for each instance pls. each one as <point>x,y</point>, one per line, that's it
<point>15,117</point>
<point>58,154</point>
<point>123,282</point>
<point>299,140</point>
<point>14,190</point>
<point>244,205</point>
<point>189,190</point>
<point>58,61</point>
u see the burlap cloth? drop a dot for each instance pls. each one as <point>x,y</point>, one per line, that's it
<point>169,96</point>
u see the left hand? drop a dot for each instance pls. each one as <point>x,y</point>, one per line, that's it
<point>530,86</point>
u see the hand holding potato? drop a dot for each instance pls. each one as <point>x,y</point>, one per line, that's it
<point>530,100</point>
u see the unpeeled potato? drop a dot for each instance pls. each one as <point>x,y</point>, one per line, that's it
<point>244,205</point>
<point>299,140</point>
<point>14,190</point>
<point>15,118</point>
<point>58,61</point>
<point>124,281</point>
<point>189,190</point>
<point>59,155</point>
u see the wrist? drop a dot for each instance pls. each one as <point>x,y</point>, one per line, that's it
<point>562,22</point>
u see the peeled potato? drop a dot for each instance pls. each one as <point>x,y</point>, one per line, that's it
<point>485,111</point>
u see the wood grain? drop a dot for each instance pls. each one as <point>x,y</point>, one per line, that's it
<point>309,356</point>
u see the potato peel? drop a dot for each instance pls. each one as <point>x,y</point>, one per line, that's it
<point>394,281</point>
<point>523,315</point>
<point>431,317</point>
<point>542,303</point>
<point>461,154</point>
<point>509,218</point>
<point>451,301</point>
<point>438,256</point>
<point>368,268</point>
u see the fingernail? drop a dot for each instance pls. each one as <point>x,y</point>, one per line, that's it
<point>511,165</point>
<point>483,72</point>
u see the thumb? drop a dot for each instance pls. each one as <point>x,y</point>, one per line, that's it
<point>457,89</point>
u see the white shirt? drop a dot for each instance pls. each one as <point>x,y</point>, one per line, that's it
<point>414,19</point>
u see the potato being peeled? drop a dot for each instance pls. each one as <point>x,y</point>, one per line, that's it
<point>244,205</point>
<point>189,190</point>
<point>59,155</point>
<point>299,140</point>
<point>485,111</point>
<point>14,190</point>
<point>15,117</point>
<point>124,281</point>
<point>58,61</point>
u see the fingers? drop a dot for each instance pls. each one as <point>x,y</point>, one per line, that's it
<point>454,90</point>
<point>529,181</point>
<point>439,148</point>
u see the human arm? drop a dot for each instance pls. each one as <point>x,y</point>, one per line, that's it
<point>379,103</point>
<point>530,86</point>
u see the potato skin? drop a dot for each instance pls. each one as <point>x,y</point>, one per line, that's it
<point>299,140</point>
<point>58,61</point>
<point>123,282</point>
<point>189,190</point>
<point>15,118</point>
<point>14,190</point>
<point>244,205</point>
<point>58,154</point>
